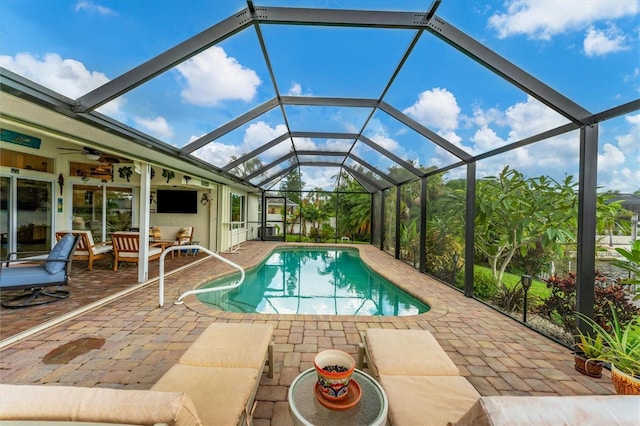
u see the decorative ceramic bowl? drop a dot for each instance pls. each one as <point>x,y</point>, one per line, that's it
<point>334,369</point>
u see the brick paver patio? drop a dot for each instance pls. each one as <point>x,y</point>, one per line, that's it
<point>499,356</point>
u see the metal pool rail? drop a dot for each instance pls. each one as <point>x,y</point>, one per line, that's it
<point>179,301</point>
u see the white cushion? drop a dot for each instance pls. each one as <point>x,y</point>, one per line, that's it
<point>407,352</point>
<point>222,396</point>
<point>591,410</point>
<point>428,400</point>
<point>152,251</point>
<point>100,249</point>
<point>70,403</point>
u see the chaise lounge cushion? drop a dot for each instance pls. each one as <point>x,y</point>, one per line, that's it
<point>427,400</point>
<point>225,345</point>
<point>67,403</point>
<point>407,352</point>
<point>592,410</point>
<point>222,395</point>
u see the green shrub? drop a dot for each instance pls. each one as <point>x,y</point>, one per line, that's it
<point>485,285</point>
<point>509,299</point>
<point>561,303</point>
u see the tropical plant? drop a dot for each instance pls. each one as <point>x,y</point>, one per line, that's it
<point>509,299</point>
<point>621,343</point>
<point>632,265</point>
<point>516,214</point>
<point>591,347</point>
<point>561,302</point>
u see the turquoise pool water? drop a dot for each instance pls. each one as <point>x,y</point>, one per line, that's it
<point>313,281</point>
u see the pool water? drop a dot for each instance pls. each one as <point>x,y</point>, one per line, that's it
<point>313,281</point>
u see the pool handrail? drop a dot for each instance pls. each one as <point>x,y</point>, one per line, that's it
<point>179,301</point>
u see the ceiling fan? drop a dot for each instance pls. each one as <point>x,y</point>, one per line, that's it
<point>91,154</point>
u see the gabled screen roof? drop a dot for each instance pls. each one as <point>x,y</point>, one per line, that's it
<point>255,90</point>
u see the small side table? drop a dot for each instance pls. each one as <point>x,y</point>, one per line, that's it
<point>191,251</point>
<point>306,410</point>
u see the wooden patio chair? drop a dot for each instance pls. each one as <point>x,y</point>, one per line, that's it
<point>184,237</point>
<point>126,248</point>
<point>87,249</point>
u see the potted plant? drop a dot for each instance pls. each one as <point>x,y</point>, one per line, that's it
<point>621,350</point>
<point>588,349</point>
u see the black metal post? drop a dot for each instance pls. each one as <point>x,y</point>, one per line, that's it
<point>587,202</point>
<point>398,227</point>
<point>423,226</point>
<point>470,229</point>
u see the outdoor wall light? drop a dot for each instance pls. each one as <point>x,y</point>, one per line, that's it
<point>526,282</point>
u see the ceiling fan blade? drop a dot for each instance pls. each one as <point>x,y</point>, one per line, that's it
<point>110,160</point>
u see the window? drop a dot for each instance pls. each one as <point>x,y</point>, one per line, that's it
<point>237,208</point>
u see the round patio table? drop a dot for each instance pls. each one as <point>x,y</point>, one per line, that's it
<point>306,410</point>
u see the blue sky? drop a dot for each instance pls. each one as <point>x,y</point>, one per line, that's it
<point>588,50</point>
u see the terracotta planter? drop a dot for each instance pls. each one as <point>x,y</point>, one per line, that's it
<point>624,383</point>
<point>586,367</point>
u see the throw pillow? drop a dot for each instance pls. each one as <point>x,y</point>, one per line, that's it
<point>60,251</point>
<point>183,234</point>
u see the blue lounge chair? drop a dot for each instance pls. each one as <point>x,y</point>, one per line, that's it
<point>34,274</point>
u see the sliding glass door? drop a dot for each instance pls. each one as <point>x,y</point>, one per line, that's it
<point>5,224</point>
<point>102,210</point>
<point>34,216</point>
<point>26,215</point>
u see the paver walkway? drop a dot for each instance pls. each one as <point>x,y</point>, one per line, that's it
<point>499,356</point>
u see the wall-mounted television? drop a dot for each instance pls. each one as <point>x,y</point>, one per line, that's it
<point>174,201</point>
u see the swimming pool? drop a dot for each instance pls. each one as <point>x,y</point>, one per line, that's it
<point>313,281</point>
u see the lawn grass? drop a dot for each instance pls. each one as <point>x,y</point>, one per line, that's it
<point>538,288</point>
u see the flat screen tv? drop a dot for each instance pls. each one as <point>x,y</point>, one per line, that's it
<point>172,201</point>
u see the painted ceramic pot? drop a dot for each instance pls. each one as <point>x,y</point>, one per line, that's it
<point>334,369</point>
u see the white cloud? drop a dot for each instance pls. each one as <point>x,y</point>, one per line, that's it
<point>630,143</point>
<point>217,153</point>
<point>601,42</point>
<point>483,117</point>
<point>319,177</point>
<point>435,108</point>
<point>256,135</point>
<point>485,139</point>
<point>212,77</point>
<point>340,145</point>
<point>304,144</point>
<point>544,19</point>
<point>93,8</point>
<point>386,142</point>
<point>65,76</point>
<point>157,127</point>
<point>623,180</point>
<point>612,157</point>
<point>295,90</point>
<point>530,118</point>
